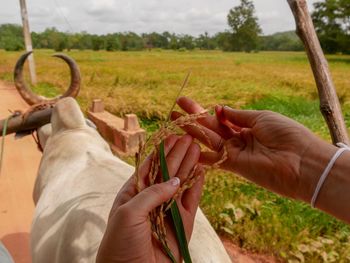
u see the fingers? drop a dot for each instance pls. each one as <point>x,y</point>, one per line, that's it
<point>191,197</point>
<point>206,136</point>
<point>224,121</point>
<point>233,147</point>
<point>189,161</point>
<point>210,122</point>
<point>152,197</point>
<point>169,143</point>
<point>144,168</point>
<point>188,105</point>
<point>177,154</point>
<point>241,118</point>
<point>210,158</point>
<point>181,155</point>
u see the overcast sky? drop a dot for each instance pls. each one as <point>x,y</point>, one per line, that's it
<point>180,16</point>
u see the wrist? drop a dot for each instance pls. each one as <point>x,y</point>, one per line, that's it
<point>312,164</point>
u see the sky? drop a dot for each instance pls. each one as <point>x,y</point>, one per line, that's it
<point>143,16</point>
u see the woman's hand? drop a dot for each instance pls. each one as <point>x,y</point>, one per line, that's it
<point>128,237</point>
<point>262,146</point>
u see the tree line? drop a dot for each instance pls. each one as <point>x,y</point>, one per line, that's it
<point>11,39</point>
<point>331,19</point>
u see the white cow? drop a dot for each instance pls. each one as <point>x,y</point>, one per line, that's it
<point>77,183</point>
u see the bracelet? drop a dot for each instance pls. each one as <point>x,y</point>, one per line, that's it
<point>343,148</point>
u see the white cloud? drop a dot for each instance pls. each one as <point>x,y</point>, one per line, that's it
<point>180,16</point>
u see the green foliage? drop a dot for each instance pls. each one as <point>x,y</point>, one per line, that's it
<point>187,42</point>
<point>11,37</point>
<point>98,43</point>
<point>245,27</point>
<point>50,38</point>
<point>46,89</point>
<point>130,42</point>
<point>331,19</point>
<point>205,42</point>
<point>285,41</point>
<point>112,42</point>
<point>225,40</point>
<point>156,40</point>
<point>332,23</point>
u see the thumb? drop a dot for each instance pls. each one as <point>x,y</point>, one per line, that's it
<point>233,118</point>
<point>154,196</point>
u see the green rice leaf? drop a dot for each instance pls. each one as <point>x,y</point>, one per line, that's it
<point>175,213</point>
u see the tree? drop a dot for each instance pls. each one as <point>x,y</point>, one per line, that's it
<point>186,41</point>
<point>206,42</point>
<point>283,41</point>
<point>245,27</point>
<point>11,37</point>
<point>224,40</point>
<point>112,42</point>
<point>332,22</point>
<point>155,40</point>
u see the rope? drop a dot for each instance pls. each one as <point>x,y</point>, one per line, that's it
<point>36,139</point>
<point>60,12</point>
<point>4,130</point>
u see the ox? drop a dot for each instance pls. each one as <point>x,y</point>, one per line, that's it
<point>78,180</point>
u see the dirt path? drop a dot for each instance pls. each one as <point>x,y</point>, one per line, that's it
<point>239,255</point>
<point>20,165</point>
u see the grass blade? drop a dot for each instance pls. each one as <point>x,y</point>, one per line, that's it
<point>175,213</point>
<point>184,84</point>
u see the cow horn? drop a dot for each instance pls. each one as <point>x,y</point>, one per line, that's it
<point>30,97</point>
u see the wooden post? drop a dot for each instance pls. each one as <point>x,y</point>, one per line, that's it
<point>28,40</point>
<point>34,120</point>
<point>329,102</point>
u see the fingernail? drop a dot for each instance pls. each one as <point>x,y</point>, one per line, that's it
<point>175,181</point>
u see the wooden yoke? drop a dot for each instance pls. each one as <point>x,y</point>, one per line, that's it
<point>329,102</point>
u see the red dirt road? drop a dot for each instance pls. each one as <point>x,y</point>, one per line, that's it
<point>20,165</point>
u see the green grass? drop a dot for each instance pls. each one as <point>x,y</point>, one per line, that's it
<point>48,89</point>
<point>305,111</point>
<point>264,222</point>
<point>146,83</point>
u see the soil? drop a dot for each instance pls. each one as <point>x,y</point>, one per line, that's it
<point>20,165</point>
<point>239,255</point>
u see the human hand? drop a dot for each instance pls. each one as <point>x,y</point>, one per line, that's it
<point>128,237</point>
<point>262,146</point>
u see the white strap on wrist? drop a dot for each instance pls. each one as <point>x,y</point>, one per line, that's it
<point>342,148</point>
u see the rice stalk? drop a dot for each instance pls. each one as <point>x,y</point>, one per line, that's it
<point>157,216</point>
<point>158,163</point>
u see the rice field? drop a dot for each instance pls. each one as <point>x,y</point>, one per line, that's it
<point>146,83</point>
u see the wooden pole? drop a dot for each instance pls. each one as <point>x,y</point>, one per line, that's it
<point>31,122</point>
<point>329,102</point>
<point>28,40</point>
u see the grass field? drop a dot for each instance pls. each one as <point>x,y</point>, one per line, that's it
<point>146,83</point>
